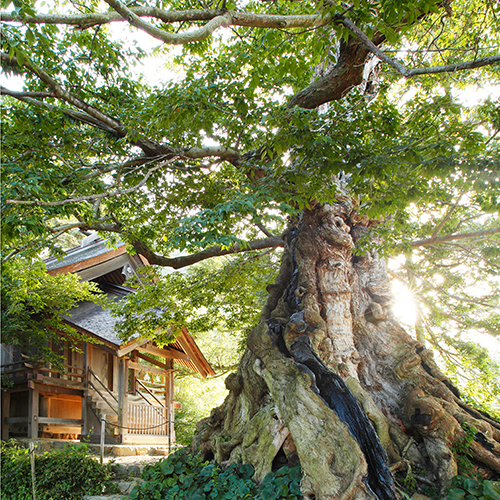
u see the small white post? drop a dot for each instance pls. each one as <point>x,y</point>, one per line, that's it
<point>103,432</point>
<point>169,433</point>
<point>32,460</point>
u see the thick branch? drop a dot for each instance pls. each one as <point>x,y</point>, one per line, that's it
<point>62,94</point>
<point>453,237</point>
<point>219,151</point>
<point>150,149</point>
<point>164,36</point>
<point>371,46</point>
<point>75,115</point>
<point>188,260</point>
<point>84,21</point>
<point>347,73</point>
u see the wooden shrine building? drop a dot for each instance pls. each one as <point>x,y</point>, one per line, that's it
<point>131,385</point>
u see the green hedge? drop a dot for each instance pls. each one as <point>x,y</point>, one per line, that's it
<point>183,476</point>
<point>65,474</point>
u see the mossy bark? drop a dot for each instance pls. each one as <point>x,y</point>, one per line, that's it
<point>327,333</point>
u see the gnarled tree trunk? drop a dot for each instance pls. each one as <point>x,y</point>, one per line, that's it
<point>331,379</point>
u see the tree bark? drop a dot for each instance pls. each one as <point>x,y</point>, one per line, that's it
<point>331,380</point>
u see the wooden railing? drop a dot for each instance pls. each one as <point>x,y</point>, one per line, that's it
<point>103,390</point>
<point>147,420</point>
<point>151,418</point>
<point>14,370</point>
<point>27,369</point>
<point>40,379</point>
<point>140,385</point>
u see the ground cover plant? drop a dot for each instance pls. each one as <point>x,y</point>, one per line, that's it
<point>185,476</point>
<point>465,488</point>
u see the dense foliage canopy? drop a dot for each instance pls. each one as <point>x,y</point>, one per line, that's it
<point>234,116</point>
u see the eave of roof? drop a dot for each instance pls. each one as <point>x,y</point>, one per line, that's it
<point>95,322</point>
<point>98,323</point>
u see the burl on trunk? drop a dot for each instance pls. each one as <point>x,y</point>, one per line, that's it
<point>331,380</point>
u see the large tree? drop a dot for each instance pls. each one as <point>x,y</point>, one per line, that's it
<point>339,132</point>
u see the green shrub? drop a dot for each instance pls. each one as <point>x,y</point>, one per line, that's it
<point>184,476</point>
<point>466,488</point>
<point>65,474</point>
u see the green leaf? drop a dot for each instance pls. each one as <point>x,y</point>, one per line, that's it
<point>491,490</point>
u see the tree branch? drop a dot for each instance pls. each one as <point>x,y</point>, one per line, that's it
<point>62,94</point>
<point>221,152</point>
<point>407,72</point>
<point>188,260</point>
<point>92,197</point>
<point>453,237</point>
<point>103,122</point>
<point>164,36</point>
<point>371,46</point>
<point>75,115</point>
<point>346,74</point>
<point>84,21</point>
<point>20,95</point>
<point>444,292</point>
<point>447,216</point>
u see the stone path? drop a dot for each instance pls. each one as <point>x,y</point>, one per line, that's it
<point>127,469</point>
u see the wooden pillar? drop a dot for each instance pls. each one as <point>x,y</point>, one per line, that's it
<point>5,415</point>
<point>133,374</point>
<point>122,396</point>
<point>85,367</point>
<point>169,398</point>
<point>33,410</point>
<point>69,359</point>
<point>111,371</point>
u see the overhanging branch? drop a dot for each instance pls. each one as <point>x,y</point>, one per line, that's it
<point>92,116</point>
<point>75,115</point>
<point>453,237</point>
<point>84,21</point>
<point>411,72</point>
<point>64,95</point>
<point>166,37</point>
<point>215,251</point>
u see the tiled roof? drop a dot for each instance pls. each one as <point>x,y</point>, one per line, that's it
<point>93,320</point>
<point>96,320</point>
<point>87,251</point>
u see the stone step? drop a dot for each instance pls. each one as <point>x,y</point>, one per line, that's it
<point>124,487</point>
<point>103,409</point>
<point>130,450</point>
<point>110,450</point>
<point>105,497</point>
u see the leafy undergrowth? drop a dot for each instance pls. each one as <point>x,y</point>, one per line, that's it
<point>185,476</point>
<point>466,488</point>
<point>66,474</point>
